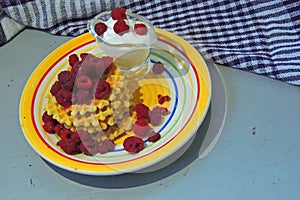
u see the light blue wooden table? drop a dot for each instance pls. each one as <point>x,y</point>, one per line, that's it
<point>256,157</point>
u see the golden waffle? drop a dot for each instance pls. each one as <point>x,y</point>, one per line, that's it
<point>58,113</point>
<point>96,117</point>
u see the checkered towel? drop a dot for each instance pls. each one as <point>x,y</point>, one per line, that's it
<point>260,36</point>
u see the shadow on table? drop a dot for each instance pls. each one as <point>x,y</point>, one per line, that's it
<point>138,179</point>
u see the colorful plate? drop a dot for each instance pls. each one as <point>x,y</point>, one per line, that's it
<point>188,84</point>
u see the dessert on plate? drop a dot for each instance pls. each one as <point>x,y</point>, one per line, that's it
<point>92,106</point>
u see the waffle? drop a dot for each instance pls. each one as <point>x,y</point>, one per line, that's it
<point>58,113</point>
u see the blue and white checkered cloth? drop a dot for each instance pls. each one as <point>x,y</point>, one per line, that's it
<point>260,36</point>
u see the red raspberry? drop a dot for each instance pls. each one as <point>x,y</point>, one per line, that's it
<point>92,66</point>
<point>99,69</point>
<point>120,27</point>
<point>106,146</point>
<point>103,89</point>
<point>66,80</point>
<point>49,127</point>
<point>69,84</point>
<point>133,144</point>
<point>83,56</point>
<point>66,133</point>
<point>64,97</point>
<point>58,128</point>
<point>155,118</point>
<point>83,82</point>
<point>76,68</point>
<point>84,149</point>
<point>89,147</point>
<point>83,96</point>
<point>140,29</point>
<point>142,111</point>
<point>47,118</point>
<point>87,69</point>
<point>100,28</point>
<point>73,58</point>
<point>69,146</point>
<point>162,99</point>
<point>75,137</point>
<point>108,60</point>
<point>55,88</point>
<point>141,128</point>
<point>156,115</point>
<point>118,13</point>
<point>155,136</point>
<point>108,63</point>
<point>62,131</point>
<point>160,110</point>
<point>84,135</point>
<point>64,76</point>
<point>158,68</point>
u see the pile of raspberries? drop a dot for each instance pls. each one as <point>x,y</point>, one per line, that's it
<point>85,80</point>
<point>75,142</point>
<point>142,127</point>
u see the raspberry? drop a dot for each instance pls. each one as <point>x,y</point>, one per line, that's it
<point>155,118</point>
<point>64,97</point>
<point>162,99</point>
<point>103,89</point>
<point>89,147</point>
<point>83,82</point>
<point>73,58</point>
<point>75,136</point>
<point>142,111</point>
<point>64,77</point>
<point>69,84</point>
<point>69,146</point>
<point>108,63</point>
<point>156,115</point>
<point>140,29</point>
<point>106,146</point>
<point>118,13</point>
<point>100,69</point>
<point>84,135</point>
<point>133,144</point>
<point>86,69</point>
<point>84,149</point>
<point>55,88</point>
<point>100,28</point>
<point>83,96</point>
<point>49,123</point>
<point>58,129</point>
<point>62,131</point>
<point>66,134</point>
<point>66,80</point>
<point>155,136</point>
<point>120,27</point>
<point>158,68</point>
<point>47,118</point>
<point>92,66</point>
<point>141,128</point>
<point>49,127</point>
<point>76,68</point>
<point>160,110</point>
<point>83,56</point>
<point>108,60</point>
